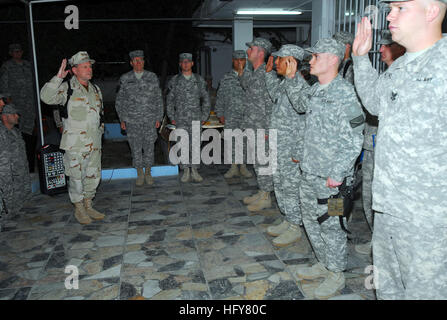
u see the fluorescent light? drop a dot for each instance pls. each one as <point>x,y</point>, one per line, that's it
<point>268,11</point>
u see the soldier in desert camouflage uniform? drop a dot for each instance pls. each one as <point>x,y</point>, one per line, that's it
<point>332,142</point>
<point>289,125</point>
<point>139,105</point>
<point>230,106</point>
<point>410,173</point>
<point>82,132</point>
<point>188,101</point>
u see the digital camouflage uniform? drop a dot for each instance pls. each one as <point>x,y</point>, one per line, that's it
<point>257,110</point>
<point>333,140</point>
<point>290,136</point>
<point>15,181</point>
<point>139,104</point>
<point>17,80</point>
<point>346,68</point>
<point>187,101</point>
<point>230,102</point>
<point>410,173</point>
<point>81,137</point>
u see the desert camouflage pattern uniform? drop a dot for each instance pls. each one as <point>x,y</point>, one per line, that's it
<point>81,137</point>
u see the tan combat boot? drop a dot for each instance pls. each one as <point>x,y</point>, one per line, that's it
<point>92,213</point>
<point>334,282</point>
<point>186,175</point>
<point>275,231</point>
<point>313,272</point>
<point>195,175</point>
<point>81,214</point>
<point>292,234</point>
<point>252,198</point>
<point>244,171</point>
<point>148,177</point>
<point>263,202</point>
<point>233,172</point>
<point>140,178</point>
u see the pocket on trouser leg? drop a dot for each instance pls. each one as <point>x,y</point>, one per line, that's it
<point>72,165</point>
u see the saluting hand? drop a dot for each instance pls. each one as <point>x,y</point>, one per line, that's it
<point>363,39</point>
<point>291,68</point>
<point>62,72</point>
<point>269,66</point>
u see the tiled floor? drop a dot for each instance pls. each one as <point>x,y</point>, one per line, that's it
<point>167,241</point>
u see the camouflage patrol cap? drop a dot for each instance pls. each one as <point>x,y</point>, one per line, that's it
<point>239,54</point>
<point>329,45</point>
<point>344,37</point>
<point>80,57</point>
<point>386,38</point>
<point>260,42</point>
<point>136,53</point>
<point>14,47</point>
<point>183,56</point>
<point>9,109</point>
<point>290,50</point>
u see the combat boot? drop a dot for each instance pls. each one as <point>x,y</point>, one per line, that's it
<point>278,229</point>
<point>92,213</point>
<point>263,202</point>
<point>148,176</point>
<point>244,171</point>
<point>186,175</point>
<point>292,234</point>
<point>252,198</point>
<point>233,172</point>
<point>314,272</point>
<point>334,282</point>
<point>81,214</point>
<point>195,175</point>
<point>140,178</point>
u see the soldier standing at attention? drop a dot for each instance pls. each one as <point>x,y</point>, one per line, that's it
<point>333,140</point>
<point>16,78</point>
<point>230,106</point>
<point>188,101</point>
<point>257,111</point>
<point>82,132</point>
<point>15,181</point>
<point>139,105</point>
<point>410,172</point>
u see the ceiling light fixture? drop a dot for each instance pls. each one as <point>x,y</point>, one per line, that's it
<point>268,11</point>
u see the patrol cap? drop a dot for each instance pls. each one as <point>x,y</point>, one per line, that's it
<point>290,50</point>
<point>14,47</point>
<point>386,38</point>
<point>260,42</point>
<point>9,109</point>
<point>80,57</point>
<point>329,45</point>
<point>185,55</point>
<point>136,53</point>
<point>344,37</point>
<point>239,54</point>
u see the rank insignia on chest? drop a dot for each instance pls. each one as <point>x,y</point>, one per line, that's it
<point>393,96</point>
